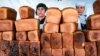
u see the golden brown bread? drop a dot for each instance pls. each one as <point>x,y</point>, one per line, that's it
<point>56,40</point>
<point>7,13</point>
<point>4,48</point>
<point>8,35</point>
<point>93,22</point>
<point>27,24</point>
<point>67,39</point>
<point>79,39</point>
<point>79,52</point>
<point>14,48</point>
<point>46,52</point>
<point>6,25</point>
<point>33,35</point>
<point>21,36</point>
<point>93,35</point>
<point>26,12</point>
<point>45,40</point>
<point>98,48</point>
<point>53,15</point>
<point>90,49</point>
<point>51,28</point>
<point>68,27</point>
<point>69,15</point>
<point>24,48</point>
<point>68,52</point>
<point>98,0</point>
<point>96,7</point>
<point>34,49</point>
<point>57,52</point>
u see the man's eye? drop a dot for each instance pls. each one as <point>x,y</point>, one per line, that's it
<point>80,7</point>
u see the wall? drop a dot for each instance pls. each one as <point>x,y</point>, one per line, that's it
<point>50,3</point>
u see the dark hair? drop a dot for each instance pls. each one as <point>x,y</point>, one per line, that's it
<point>41,5</point>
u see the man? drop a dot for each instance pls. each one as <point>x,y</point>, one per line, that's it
<point>40,12</point>
<point>80,7</point>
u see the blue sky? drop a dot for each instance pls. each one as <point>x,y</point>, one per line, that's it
<point>50,3</point>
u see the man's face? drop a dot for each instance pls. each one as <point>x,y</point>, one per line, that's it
<point>41,12</point>
<point>80,9</point>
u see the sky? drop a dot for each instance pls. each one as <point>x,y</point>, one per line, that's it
<point>16,4</point>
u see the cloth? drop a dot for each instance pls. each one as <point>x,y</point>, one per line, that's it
<point>42,22</point>
<point>80,4</point>
<point>82,22</point>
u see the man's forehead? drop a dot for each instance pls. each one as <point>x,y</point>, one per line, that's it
<point>40,7</point>
<point>80,6</point>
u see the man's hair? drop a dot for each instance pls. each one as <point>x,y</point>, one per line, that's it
<point>41,5</point>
